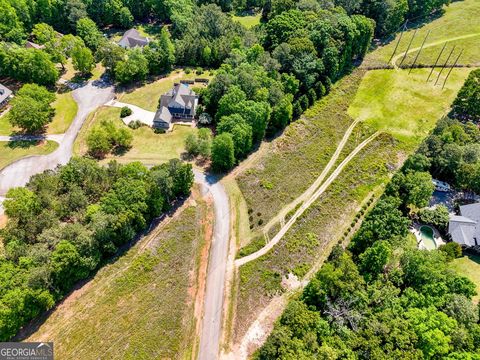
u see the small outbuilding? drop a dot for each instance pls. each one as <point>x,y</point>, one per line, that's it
<point>5,95</point>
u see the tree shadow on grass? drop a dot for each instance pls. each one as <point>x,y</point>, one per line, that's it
<point>23,144</point>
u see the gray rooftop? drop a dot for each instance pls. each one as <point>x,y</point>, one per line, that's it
<point>4,93</point>
<point>132,38</point>
<point>465,228</point>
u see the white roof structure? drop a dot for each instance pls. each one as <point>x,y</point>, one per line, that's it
<point>465,228</point>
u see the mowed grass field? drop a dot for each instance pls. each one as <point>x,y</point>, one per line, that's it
<point>12,151</point>
<point>140,306</point>
<point>459,25</point>
<point>147,96</point>
<point>469,266</point>
<point>295,159</point>
<point>403,104</point>
<point>147,147</point>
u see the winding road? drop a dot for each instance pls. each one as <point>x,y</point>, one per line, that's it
<point>211,327</point>
<point>88,97</point>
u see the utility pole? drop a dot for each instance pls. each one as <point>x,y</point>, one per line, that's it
<point>418,54</point>
<point>443,67</point>
<point>398,42</point>
<point>455,63</point>
<point>408,48</point>
<point>436,61</point>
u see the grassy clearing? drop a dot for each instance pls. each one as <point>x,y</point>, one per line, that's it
<point>460,19</point>
<point>404,105</point>
<point>298,156</point>
<point>469,266</point>
<point>5,127</point>
<point>72,75</point>
<point>147,96</point>
<point>147,147</point>
<point>141,305</point>
<point>65,110</point>
<point>316,231</point>
<point>248,21</point>
<point>15,150</point>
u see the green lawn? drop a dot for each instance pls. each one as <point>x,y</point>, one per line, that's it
<point>71,74</point>
<point>65,110</point>
<point>11,151</point>
<point>403,104</point>
<point>139,306</point>
<point>147,96</point>
<point>469,266</point>
<point>460,19</point>
<point>248,21</point>
<point>147,147</point>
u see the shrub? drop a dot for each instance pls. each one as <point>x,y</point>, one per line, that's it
<point>188,71</point>
<point>199,70</point>
<point>452,250</point>
<point>135,124</point>
<point>126,111</point>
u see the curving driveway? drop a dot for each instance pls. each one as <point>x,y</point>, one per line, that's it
<point>88,97</point>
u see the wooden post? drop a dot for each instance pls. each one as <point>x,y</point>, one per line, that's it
<point>436,61</point>
<point>398,42</point>
<point>443,67</point>
<point>455,63</point>
<point>419,51</point>
<point>408,48</point>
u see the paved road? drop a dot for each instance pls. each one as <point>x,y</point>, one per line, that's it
<point>138,113</point>
<point>56,137</point>
<point>88,97</point>
<point>211,327</point>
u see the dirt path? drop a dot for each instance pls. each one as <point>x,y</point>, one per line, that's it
<point>308,193</point>
<point>305,205</point>
<point>436,43</point>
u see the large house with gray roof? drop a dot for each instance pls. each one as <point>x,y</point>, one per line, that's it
<point>132,38</point>
<point>179,103</point>
<point>5,95</point>
<point>464,228</point>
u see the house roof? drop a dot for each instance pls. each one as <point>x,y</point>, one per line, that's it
<point>132,38</point>
<point>180,95</point>
<point>465,228</point>
<point>163,115</point>
<point>4,93</point>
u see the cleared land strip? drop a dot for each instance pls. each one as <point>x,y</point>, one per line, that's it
<point>307,193</point>
<point>436,43</point>
<point>305,205</point>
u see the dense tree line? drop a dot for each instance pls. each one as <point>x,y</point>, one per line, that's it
<point>260,88</point>
<point>382,298</point>
<point>66,222</point>
<point>466,106</point>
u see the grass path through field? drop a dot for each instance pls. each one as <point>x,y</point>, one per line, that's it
<point>308,193</point>
<point>305,206</point>
<point>435,43</point>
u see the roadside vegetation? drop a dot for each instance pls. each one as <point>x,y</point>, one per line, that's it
<point>15,150</point>
<point>65,224</point>
<point>149,291</point>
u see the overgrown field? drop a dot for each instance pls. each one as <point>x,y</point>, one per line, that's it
<point>404,104</point>
<point>316,231</point>
<point>15,150</point>
<point>298,156</point>
<point>141,305</point>
<point>459,26</point>
<point>147,147</point>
